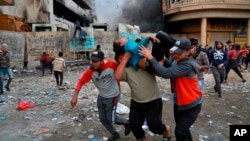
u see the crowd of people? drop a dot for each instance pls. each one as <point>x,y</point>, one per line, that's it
<point>183,62</point>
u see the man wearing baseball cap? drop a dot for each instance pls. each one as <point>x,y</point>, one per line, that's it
<point>97,55</point>
<point>187,94</point>
<point>101,72</point>
<point>181,45</point>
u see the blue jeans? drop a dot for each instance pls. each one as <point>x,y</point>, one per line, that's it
<point>201,84</point>
<point>105,109</point>
<point>2,71</point>
<point>10,76</point>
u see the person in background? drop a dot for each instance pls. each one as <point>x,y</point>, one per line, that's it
<point>77,27</point>
<point>98,47</point>
<point>58,67</point>
<point>233,54</point>
<point>5,68</point>
<point>209,50</point>
<point>230,44</point>
<point>101,73</point>
<point>248,57</point>
<point>218,60</point>
<point>244,53</point>
<point>46,60</point>
<point>201,58</point>
<point>187,94</point>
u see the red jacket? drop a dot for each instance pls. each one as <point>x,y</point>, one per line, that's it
<point>46,58</point>
<point>187,92</point>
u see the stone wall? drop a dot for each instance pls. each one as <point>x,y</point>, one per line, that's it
<point>16,42</point>
<point>29,46</point>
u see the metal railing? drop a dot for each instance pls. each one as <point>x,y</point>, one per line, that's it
<point>180,3</point>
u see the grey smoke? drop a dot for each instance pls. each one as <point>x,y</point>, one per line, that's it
<point>144,13</point>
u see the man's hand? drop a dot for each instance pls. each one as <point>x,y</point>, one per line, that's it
<point>73,101</point>
<point>163,60</point>
<point>220,66</point>
<point>153,39</point>
<point>145,53</point>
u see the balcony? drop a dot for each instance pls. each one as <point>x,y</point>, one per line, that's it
<point>187,5</point>
<point>84,4</point>
<point>191,9</point>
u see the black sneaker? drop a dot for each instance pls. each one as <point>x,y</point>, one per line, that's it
<point>114,137</point>
<point>1,92</point>
<point>127,129</point>
<point>243,80</point>
<point>7,88</point>
<point>220,98</point>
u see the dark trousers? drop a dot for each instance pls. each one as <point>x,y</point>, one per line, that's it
<point>106,110</point>
<point>244,60</point>
<point>45,64</point>
<point>59,77</point>
<point>152,112</point>
<point>236,70</point>
<point>247,61</point>
<point>183,120</point>
<point>219,77</point>
<point>77,28</point>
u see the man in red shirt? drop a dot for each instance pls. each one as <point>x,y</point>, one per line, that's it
<point>101,73</point>
<point>46,61</point>
<point>233,55</point>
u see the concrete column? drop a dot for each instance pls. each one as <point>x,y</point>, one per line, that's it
<point>248,32</point>
<point>203,31</point>
<point>51,16</point>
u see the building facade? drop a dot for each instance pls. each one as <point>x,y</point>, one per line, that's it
<point>43,15</point>
<point>209,20</point>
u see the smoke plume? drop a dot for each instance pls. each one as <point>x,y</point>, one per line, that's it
<point>144,13</point>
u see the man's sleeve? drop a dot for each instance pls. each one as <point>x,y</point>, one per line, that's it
<point>144,42</point>
<point>86,77</point>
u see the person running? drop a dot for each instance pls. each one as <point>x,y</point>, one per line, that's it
<point>46,60</point>
<point>187,94</point>
<point>101,73</point>
<point>233,54</point>
<point>218,59</point>
<point>244,53</point>
<point>58,67</point>
<point>146,102</point>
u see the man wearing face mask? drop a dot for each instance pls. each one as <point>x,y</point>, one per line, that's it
<point>201,58</point>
